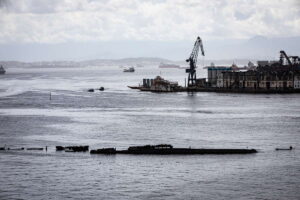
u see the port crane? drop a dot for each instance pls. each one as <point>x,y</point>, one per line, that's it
<point>282,56</point>
<point>291,60</point>
<point>193,62</point>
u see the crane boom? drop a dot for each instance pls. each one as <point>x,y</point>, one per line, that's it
<point>193,61</point>
<point>282,56</point>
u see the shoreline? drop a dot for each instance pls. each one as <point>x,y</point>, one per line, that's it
<point>222,90</point>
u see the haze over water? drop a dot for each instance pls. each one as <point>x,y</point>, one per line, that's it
<point>120,117</point>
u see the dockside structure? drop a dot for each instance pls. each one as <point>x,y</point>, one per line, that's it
<point>281,75</point>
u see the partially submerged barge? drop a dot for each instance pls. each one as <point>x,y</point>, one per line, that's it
<point>72,148</point>
<point>167,149</point>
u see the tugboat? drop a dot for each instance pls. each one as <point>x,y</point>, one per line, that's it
<point>2,70</point>
<point>130,69</point>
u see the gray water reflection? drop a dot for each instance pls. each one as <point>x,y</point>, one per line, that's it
<point>120,117</point>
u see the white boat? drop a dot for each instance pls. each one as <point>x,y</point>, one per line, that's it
<point>2,70</point>
<point>130,69</point>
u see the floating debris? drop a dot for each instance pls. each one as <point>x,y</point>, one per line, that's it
<point>284,149</point>
<point>60,148</point>
<point>72,148</point>
<point>35,148</point>
<point>76,148</point>
<point>104,151</point>
<point>101,88</point>
<point>16,149</point>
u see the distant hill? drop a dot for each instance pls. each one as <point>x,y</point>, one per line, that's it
<point>144,61</point>
<point>125,61</point>
<point>98,62</point>
<point>258,47</point>
<point>221,51</point>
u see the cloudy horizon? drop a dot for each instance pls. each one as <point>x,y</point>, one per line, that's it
<point>34,30</point>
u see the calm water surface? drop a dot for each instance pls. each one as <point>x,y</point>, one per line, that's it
<point>120,117</point>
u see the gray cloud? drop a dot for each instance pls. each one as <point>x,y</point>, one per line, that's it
<point>56,21</point>
<point>297,6</point>
<point>4,3</point>
<point>241,15</point>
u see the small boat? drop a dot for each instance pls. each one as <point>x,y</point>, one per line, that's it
<point>134,87</point>
<point>130,69</point>
<point>91,90</point>
<point>2,70</point>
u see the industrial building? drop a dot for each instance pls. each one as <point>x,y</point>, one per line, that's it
<point>215,75</point>
<point>297,81</point>
<point>281,75</point>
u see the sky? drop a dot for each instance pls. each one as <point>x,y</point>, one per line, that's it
<point>33,30</point>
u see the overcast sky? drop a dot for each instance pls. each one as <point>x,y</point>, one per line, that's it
<point>27,23</point>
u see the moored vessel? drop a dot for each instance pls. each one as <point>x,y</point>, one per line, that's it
<point>130,69</point>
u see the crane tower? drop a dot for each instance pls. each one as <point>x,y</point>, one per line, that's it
<point>193,62</point>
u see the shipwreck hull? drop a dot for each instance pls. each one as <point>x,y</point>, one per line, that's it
<point>187,151</point>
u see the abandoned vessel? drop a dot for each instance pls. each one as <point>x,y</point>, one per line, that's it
<point>167,149</point>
